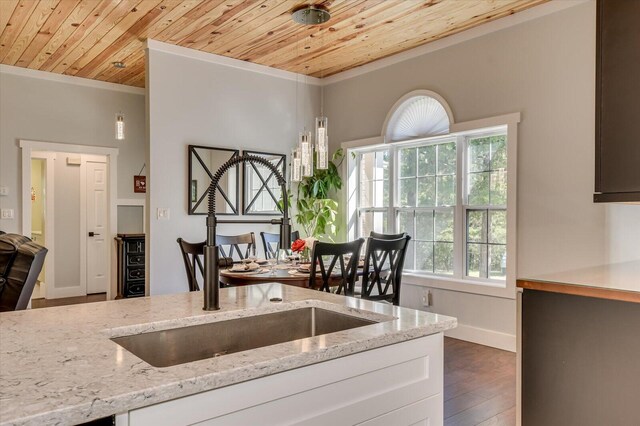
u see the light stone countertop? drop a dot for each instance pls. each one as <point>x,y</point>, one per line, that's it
<point>623,276</point>
<point>59,366</point>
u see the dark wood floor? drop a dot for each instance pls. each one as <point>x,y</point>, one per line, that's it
<point>479,385</point>
<point>47,303</point>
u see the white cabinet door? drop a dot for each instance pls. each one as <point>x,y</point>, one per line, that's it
<point>403,381</point>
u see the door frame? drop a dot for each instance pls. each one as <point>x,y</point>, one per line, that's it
<point>28,147</point>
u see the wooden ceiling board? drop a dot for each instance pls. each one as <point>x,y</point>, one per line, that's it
<point>6,10</point>
<point>91,35</point>
<point>289,37</point>
<point>40,50</point>
<point>409,40</point>
<point>331,37</point>
<point>84,37</point>
<point>14,26</point>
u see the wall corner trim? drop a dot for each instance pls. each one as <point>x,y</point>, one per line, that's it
<point>230,62</point>
<point>69,79</point>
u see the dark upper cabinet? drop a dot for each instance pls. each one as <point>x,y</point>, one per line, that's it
<point>618,101</point>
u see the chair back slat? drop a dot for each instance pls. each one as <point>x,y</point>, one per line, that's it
<point>336,254</point>
<point>191,253</point>
<point>382,271</point>
<point>271,242</point>
<point>234,242</point>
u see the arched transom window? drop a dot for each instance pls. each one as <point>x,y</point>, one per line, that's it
<point>419,114</point>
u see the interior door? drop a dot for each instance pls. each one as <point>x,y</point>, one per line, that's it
<point>97,227</point>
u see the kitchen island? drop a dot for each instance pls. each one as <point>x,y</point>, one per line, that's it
<point>60,366</point>
<point>580,346</point>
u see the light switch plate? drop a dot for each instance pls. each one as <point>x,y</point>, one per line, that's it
<point>163,214</point>
<point>7,213</point>
<point>4,190</point>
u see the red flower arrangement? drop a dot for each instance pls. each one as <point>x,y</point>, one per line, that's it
<point>298,245</point>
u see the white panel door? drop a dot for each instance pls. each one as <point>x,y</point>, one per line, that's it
<point>97,227</point>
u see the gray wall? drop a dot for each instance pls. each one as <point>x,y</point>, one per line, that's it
<point>545,69</point>
<point>201,103</point>
<point>43,110</point>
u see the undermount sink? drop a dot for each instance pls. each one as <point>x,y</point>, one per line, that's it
<point>187,344</point>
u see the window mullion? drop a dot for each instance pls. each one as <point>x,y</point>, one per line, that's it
<point>459,238</point>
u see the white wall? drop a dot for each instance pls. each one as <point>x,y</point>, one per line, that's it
<point>192,101</point>
<point>623,232</point>
<point>54,111</point>
<point>545,69</point>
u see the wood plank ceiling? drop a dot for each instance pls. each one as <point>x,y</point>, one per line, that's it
<point>84,37</point>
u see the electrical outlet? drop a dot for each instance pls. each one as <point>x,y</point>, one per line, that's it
<point>7,213</point>
<point>163,214</point>
<point>4,190</point>
<point>427,299</point>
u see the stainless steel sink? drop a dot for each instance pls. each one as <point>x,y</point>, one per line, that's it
<point>181,345</point>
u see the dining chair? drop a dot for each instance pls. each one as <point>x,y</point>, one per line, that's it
<point>329,258</point>
<point>382,270</point>
<point>381,236</point>
<point>21,261</point>
<point>271,242</point>
<point>234,242</point>
<point>191,253</point>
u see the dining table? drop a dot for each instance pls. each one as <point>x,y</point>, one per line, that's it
<point>284,274</point>
<point>287,273</point>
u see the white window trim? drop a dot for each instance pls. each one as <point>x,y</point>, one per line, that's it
<point>457,283</point>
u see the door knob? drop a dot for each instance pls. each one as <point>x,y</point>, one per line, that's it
<point>91,234</point>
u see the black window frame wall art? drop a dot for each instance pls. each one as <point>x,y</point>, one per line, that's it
<point>248,199</point>
<point>199,207</point>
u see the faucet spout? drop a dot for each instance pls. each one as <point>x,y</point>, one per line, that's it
<point>211,255</point>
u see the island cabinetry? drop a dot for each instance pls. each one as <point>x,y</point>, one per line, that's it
<point>399,384</point>
<point>580,357</point>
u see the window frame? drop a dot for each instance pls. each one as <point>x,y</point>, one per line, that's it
<point>462,132</point>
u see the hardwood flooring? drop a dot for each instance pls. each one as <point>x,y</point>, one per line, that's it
<point>48,303</point>
<point>479,385</point>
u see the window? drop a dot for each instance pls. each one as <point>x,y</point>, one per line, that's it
<point>449,193</point>
<point>486,207</point>
<point>373,191</point>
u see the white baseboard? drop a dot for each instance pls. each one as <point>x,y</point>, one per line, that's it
<point>62,292</point>
<point>482,336</point>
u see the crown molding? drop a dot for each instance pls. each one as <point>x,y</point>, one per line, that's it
<point>535,12</point>
<point>230,62</point>
<point>69,79</point>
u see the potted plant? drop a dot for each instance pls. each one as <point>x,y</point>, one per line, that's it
<point>316,211</point>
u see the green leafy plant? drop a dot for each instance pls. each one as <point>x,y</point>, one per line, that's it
<point>316,211</point>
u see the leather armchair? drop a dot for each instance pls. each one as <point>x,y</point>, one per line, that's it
<point>21,261</point>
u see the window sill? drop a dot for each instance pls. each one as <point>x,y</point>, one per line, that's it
<point>462,285</point>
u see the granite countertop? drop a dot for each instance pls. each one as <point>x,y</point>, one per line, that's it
<point>619,280</point>
<point>59,366</point>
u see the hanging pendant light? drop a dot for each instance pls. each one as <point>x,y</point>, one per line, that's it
<point>119,116</point>
<point>322,143</point>
<point>120,126</point>
<point>312,15</point>
<point>296,165</point>
<point>306,154</point>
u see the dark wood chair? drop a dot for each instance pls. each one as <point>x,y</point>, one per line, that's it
<point>380,236</point>
<point>382,271</point>
<point>191,253</point>
<point>271,242</point>
<point>326,256</point>
<point>234,242</point>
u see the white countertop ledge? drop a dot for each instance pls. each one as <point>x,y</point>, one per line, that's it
<point>59,366</point>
